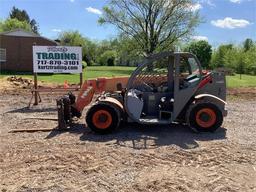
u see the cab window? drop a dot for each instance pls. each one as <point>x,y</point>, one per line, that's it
<point>189,74</point>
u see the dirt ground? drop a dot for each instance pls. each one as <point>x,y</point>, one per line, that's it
<point>136,158</point>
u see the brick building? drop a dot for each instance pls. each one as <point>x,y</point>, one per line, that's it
<point>16,49</point>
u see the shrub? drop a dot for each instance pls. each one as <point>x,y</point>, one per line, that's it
<point>84,64</point>
<point>108,58</point>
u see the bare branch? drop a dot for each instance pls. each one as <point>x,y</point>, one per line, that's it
<point>152,23</point>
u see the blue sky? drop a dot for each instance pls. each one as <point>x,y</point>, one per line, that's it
<point>225,20</point>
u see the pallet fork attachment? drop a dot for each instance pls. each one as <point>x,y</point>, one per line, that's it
<point>68,106</point>
<point>64,113</point>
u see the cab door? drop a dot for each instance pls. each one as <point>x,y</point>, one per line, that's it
<point>187,77</point>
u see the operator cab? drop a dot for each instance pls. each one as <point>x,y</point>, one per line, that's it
<point>189,72</point>
<point>153,87</point>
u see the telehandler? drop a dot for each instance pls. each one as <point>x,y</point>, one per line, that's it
<point>168,87</point>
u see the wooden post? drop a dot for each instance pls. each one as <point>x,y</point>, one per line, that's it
<point>35,89</point>
<point>81,80</point>
<point>35,83</point>
<point>81,74</point>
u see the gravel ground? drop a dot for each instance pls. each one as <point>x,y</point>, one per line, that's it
<point>136,158</point>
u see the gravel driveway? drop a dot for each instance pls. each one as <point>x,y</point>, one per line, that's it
<point>136,158</point>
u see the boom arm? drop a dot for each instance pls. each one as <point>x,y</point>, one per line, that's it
<point>68,106</point>
<point>90,87</point>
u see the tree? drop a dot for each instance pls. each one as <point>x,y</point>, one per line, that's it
<point>71,38</point>
<point>10,24</point>
<point>90,52</point>
<point>34,26</point>
<point>155,25</point>
<point>231,58</point>
<point>235,58</point>
<point>23,16</point>
<point>218,55</point>
<point>248,44</point>
<point>203,51</point>
<point>108,58</point>
<point>249,61</point>
<point>74,38</point>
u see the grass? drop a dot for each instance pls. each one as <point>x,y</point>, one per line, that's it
<point>106,71</point>
<point>246,81</point>
<point>89,73</point>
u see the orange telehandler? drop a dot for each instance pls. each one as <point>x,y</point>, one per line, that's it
<point>167,87</point>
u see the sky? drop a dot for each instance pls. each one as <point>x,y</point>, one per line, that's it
<point>225,21</point>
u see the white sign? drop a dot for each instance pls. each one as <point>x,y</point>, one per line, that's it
<point>57,59</point>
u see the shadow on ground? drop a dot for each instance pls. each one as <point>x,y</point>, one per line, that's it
<point>32,110</point>
<point>144,137</point>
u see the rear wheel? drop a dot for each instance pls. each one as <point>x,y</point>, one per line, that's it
<point>204,117</point>
<point>103,118</point>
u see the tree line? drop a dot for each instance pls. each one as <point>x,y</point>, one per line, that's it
<point>235,58</point>
<point>238,58</point>
<point>147,27</point>
<point>19,19</point>
<point>116,51</point>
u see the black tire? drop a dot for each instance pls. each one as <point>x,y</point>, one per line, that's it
<point>212,122</point>
<point>115,115</point>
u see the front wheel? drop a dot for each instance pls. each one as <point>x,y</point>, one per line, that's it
<point>204,117</point>
<point>103,118</point>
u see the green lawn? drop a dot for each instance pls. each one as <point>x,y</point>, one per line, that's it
<point>89,72</point>
<point>105,71</point>
<point>246,81</point>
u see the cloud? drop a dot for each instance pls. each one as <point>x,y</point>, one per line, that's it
<point>93,10</point>
<point>230,23</point>
<point>195,7</point>
<point>235,1</point>
<point>188,6</point>
<point>198,38</point>
<point>208,2</point>
<point>56,30</point>
<point>72,1</point>
<point>239,1</point>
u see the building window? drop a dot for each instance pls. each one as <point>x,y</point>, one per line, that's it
<point>2,55</point>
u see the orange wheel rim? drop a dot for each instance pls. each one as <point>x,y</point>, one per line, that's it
<point>102,119</point>
<point>206,117</point>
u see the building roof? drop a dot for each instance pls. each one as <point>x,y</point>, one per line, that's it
<point>23,33</point>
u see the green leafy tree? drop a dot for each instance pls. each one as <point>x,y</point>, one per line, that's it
<point>203,51</point>
<point>103,46</point>
<point>155,25</point>
<point>71,38</point>
<point>128,52</point>
<point>234,59</point>
<point>248,44</point>
<point>218,55</point>
<point>10,24</point>
<point>90,52</point>
<point>240,58</point>
<point>34,26</point>
<point>74,38</point>
<point>108,58</point>
<point>23,16</point>
<point>240,67</point>
<point>250,61</point>
<point>90,48</point>
<point>231,58</point>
